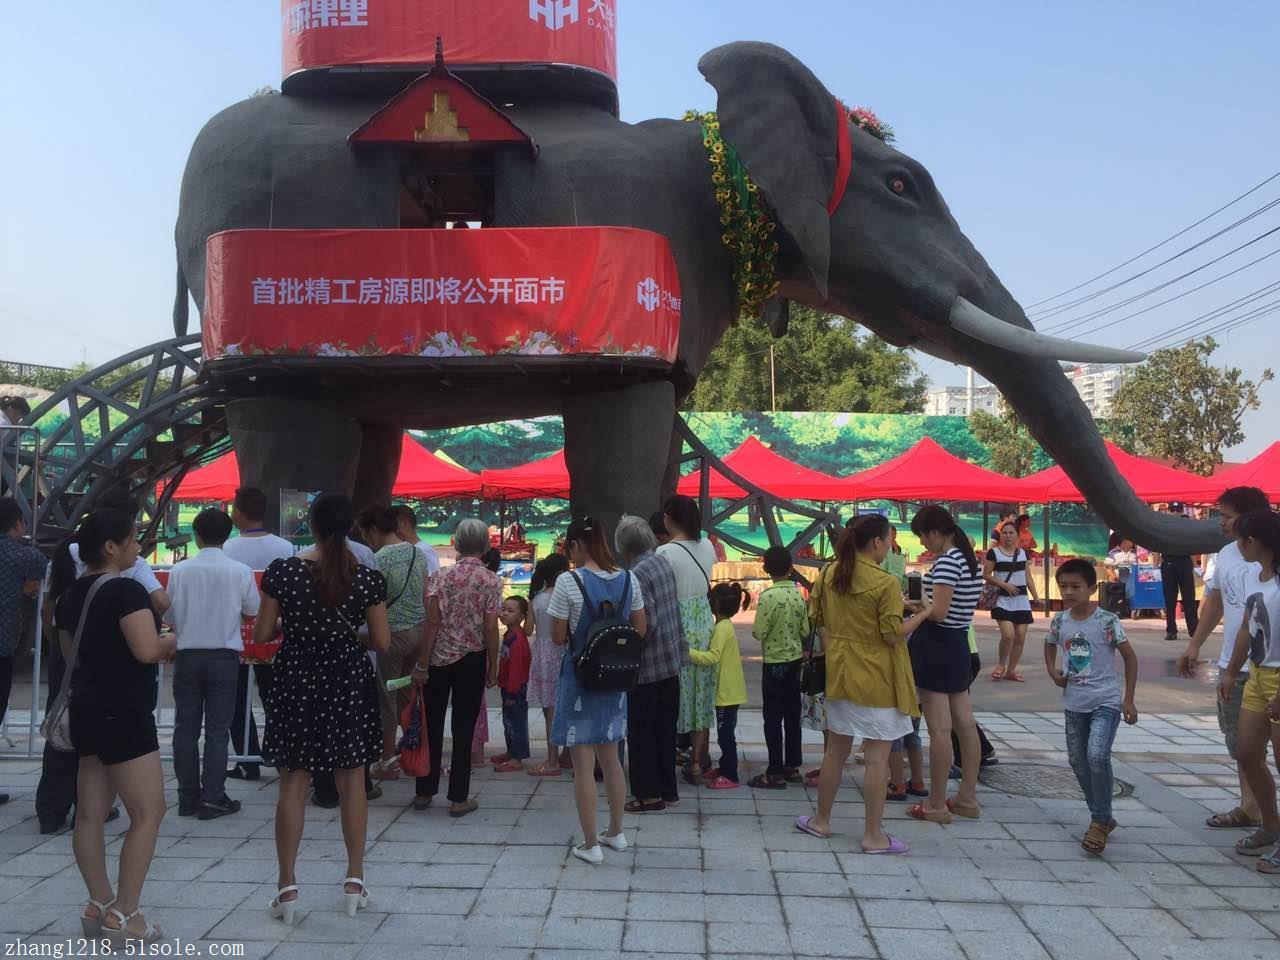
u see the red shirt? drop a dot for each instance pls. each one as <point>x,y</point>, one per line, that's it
<point>513,662</point>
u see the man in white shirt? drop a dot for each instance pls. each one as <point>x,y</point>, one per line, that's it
<point>256,548</point>
<point>407,530</point>
<point>119,498</point>
<point>1224,601</point>
<point>211,595</point>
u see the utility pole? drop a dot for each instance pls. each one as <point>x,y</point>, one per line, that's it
<point>968,397</point>
<point>773,383</point>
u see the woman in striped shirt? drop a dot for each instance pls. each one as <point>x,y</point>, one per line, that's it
<point>940,660</point>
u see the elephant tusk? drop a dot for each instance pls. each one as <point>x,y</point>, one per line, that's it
<point>977,323</point>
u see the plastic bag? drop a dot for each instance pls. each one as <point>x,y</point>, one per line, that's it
<point>415,755</point>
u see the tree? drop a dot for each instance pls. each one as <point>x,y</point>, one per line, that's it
<point>1013,449</point>
<point>821,364</point>
<point>1181,407</point>
<point>54,379</point>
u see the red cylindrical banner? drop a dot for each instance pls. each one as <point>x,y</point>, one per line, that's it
<point>546,291</point>
<point>348,33</point>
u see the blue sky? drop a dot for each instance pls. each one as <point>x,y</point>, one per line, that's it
<point>1065,137</point>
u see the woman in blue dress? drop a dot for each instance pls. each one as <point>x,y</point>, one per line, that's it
<point>588,723</point>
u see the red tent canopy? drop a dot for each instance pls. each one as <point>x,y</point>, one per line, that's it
<point>1263,471</point>
<point>755,462</point>
<point>426,477</point>
<point>421,475</point>
<point>548,477</point>
<point>1151,481</point>
<point>928,472</point>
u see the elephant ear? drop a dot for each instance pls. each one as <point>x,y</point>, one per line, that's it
<point>782,122</point>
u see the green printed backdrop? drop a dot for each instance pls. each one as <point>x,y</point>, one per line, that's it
<point>835,443</point>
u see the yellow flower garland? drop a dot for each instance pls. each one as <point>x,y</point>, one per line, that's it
<point>748,226</point>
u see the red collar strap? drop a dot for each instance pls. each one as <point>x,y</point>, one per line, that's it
<point>844,157</point>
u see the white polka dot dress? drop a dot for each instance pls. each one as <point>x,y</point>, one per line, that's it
<point>322,711</point>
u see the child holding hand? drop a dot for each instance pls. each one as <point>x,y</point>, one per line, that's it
<point>1092,698</point>
<point>513,684</point>
<point>731,684</point>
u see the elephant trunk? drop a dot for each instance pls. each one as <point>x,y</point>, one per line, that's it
<point>1049,405</point>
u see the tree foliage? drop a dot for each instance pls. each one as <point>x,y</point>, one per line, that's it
<point>1179,406</point>
<point>821,364</point>
<point>1013,449</point>
<point>54,379</point>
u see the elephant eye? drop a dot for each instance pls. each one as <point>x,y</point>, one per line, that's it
<point>897,185</point>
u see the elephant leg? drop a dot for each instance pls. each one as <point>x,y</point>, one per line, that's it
<point>379,464</point>
<point>617,445</point>
<point>284,444</point>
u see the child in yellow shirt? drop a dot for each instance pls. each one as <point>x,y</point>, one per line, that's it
<point>731,685</point>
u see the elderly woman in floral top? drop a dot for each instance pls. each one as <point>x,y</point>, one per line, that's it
<point>459,658</point>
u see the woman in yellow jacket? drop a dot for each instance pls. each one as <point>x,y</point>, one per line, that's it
<point>871,692</point>
<point>731,685</point>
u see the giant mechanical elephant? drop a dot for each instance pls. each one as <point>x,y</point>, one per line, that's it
<point>889,256</point>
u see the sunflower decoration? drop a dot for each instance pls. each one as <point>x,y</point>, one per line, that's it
<point>748,227</point>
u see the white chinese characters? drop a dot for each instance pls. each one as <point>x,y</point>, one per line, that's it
<point>405,291</point>
<point>318,14</point>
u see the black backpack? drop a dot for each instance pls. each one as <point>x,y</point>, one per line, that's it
<point>609,661</point>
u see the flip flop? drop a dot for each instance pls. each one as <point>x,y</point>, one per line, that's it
<point>544,772</point>
<point>509,766</point>
<point>1257,843</point>
<point>895,848</point>
<point>964,810</point>
<point>805,825</point>
<point>635,806</point>
<point>1015,677</point>
<point>1231,819</point>
<point>997,674</point>
<point>762,781</point>
<point>919,812</point>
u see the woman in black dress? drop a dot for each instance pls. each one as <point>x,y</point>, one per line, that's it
<point>322,713</point>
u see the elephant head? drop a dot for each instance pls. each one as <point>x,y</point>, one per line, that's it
<point>891,257</point>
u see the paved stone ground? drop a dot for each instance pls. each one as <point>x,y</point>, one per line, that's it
<point>723,874</point>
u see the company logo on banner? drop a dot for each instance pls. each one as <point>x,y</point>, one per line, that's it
<point>554,14</point>
<point>650,295</point>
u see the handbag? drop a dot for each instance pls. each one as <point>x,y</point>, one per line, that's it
<point>991,593</point>
<point>415,755</point>
<point>813,669</point>
<point>56,727</point>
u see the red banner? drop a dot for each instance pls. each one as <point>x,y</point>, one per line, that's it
<point>544,291</point>
<point>332,33</point>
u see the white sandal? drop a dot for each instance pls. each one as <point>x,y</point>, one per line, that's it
<point>282,909</point>
<point>120,936</point>
<point>355,901</point>
<point>92,926</point>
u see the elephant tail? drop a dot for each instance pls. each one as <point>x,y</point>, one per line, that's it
<point>181,318</point>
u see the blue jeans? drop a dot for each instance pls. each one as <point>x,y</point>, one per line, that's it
<point>727,737</point>
<point>515,725</point>
<point>1089,739</point>
<point>780,692</point>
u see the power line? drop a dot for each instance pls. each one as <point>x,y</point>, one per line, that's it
<point>1139,256</point>
<point>1211,315</point>
<point>1228,326</point>
<point>1161,286</point>
<point>1179,296</point>
<point>1066,324</point>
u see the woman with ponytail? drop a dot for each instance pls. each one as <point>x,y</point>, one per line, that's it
<point>940,659</point>
<point>870,694</point>
<point>322,714</point>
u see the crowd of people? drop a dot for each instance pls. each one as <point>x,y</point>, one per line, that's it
<point>858,651</point>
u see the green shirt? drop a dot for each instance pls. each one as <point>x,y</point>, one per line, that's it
<point>782,623</point>
<point>405,570</point>
<point>896,563</point>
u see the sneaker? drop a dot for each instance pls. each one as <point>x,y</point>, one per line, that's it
<point>990,761</point>
<point>212,809</point>
<point>1171,635</point>
<point>387,769</point>
<point>593,855</point>
<point>617,842</point>
<point>188,809</point>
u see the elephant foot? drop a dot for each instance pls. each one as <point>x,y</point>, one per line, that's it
<point>617,446</point>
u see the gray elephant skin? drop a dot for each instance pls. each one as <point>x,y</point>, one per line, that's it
<point>890,257</point>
